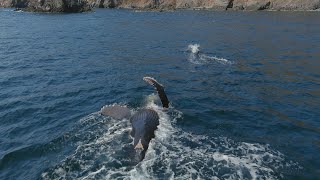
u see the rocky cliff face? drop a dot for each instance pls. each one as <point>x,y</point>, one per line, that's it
<point>13,3</point>
<point>85,5</point>
<point>58,5</point>
<point>49,5</point>
<point>276,4</point>
<point>211,4</point>
<point>161,4</point>
<point>5,3</point>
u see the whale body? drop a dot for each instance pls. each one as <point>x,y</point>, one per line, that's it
<point>144,122</point>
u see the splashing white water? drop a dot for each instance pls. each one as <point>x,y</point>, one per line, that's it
<point>208,59</point>
<point>181,155</point>
<point>172,154</point>
<point>194,48</point>
<point>199,58</point>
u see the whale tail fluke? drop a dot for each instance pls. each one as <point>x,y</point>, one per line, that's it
<point>160,89</point>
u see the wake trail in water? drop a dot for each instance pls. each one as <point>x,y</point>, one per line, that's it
<point>172,154</point>
<point>197,57</point>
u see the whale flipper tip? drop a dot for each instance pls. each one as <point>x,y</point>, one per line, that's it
<point>160,90</point>
<point>152,81</point>
<point>116,111</point>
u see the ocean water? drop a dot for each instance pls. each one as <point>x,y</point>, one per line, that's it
<point>244,90</point>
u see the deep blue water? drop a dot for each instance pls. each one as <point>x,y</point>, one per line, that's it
<point>245,107</point>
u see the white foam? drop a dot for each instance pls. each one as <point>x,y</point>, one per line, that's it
<point>172,154</point>
<point>194,48</point>
<point>93,149</point>
<point>217,157</point>
<point>7,10</point>
<point>196,57</point>
<point>206,58</point>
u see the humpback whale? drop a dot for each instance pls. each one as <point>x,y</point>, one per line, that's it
<point>144,122</point>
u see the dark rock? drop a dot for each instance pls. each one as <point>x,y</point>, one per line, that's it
<point>20,3</point>
<point>59,6</point>
<point>266,6</point>
<point>230,4</point>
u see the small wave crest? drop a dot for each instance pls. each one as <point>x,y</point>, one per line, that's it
<point>7,10</point>
<point>13,10</point>
<point>172,154</point>
<point>208,59</point>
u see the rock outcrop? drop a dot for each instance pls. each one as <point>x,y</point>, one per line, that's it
<point>59,6</point>
<point>250,5</point>
<point>85,5</point>
<point>49,5</point>
<point>162,4</point>
<point>5,3</point>
<point>290,5</point>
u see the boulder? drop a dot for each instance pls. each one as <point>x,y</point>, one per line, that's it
<point>59,6</point>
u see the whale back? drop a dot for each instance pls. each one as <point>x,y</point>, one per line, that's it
<point>144,123</point>
<point>147,119</point>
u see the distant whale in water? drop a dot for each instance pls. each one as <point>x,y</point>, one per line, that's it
<point>197,57</point>
<point>144,122</point>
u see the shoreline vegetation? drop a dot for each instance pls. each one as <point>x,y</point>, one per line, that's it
<point>74,6</point>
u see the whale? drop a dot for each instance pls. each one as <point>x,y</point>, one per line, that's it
<point>144,122</point>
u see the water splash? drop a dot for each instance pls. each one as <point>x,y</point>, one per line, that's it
<point>196,57</point>
<point>172,154</point>
<point>208,59</point>
<point>194,48</point>
<point>175,154</point>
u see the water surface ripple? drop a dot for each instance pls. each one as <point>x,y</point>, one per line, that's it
<point>244,87</point>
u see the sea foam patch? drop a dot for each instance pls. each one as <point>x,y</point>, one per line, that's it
<point>105,151</point>
<point>175,154</point>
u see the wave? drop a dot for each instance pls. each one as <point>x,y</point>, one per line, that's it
<point>7,10</point>
<point>12,10</point>
<point>173,153</point>
<point>196,57</point>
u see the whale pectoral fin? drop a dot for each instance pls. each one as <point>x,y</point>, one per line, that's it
<point>116,111</point>
<point>160,90</point>
<point>139,145</point>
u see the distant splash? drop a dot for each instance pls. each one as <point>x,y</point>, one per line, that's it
<point>196,57</point>
<point>172,154</point>
<point>194,48</point>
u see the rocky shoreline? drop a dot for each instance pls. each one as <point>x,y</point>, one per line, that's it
<point>70,6</point>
